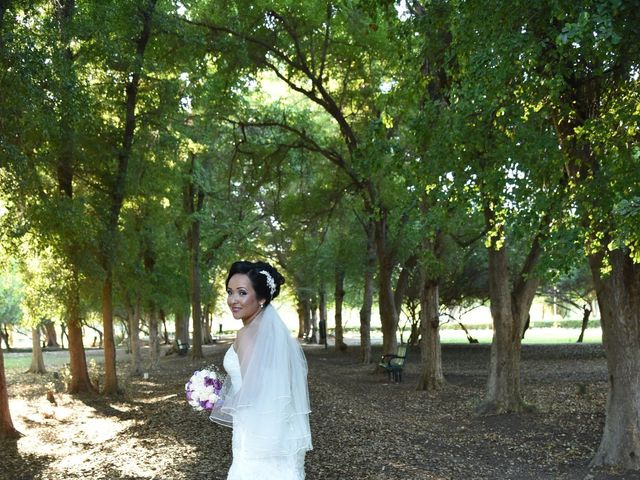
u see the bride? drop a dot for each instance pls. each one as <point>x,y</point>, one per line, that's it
<point>265,396</point>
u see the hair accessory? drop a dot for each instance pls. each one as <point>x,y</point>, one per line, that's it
<point>271,283</point>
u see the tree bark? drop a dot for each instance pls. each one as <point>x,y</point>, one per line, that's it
<point>431,377</point>
<point>154,338</point>
<point>586,313</point>
<point>194,198</point>
<point>37,360</point>
<point>4,334</point>
<point>339,299</point>
<point>110,377</point>
<point>50,329</point>
<point>207,320</point>
<point>79,382</point>
<point>388,312</point>
<point>618,295</point>
<point>134,340</point>
<point>117,196</point>
<point>322,311</point>
<point>182,326</point>
<point>7,430</point>
<point>313,307</point>
<point>301,318</point>
<point>386,296</point>
<point>367,298</point>
<point>503,386</point>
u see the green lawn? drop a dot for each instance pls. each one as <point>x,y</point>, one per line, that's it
<point>532,336</point>
<point>52,360</point>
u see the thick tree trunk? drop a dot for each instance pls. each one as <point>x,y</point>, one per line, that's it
<point>387,306</point>
<point>134,340</point>
<point>50,329</point>
<point>619,301</point>
<point>7,430</point>
<point>182,327</point>
<point>386,297</point>
<point>339,299</point>
<point>509,311</point>
<point>431,377</point>
<point>37,360</point>
<point>503,386</point>
<point>79,382</point>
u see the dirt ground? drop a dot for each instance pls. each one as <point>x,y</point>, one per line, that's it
<point>363,426</point>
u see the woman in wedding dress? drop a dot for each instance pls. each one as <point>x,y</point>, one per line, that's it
<point>265,397</point>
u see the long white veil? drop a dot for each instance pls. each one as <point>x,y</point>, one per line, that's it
<point>271,407</point>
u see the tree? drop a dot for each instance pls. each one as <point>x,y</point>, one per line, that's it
<point>589,51</point>
<point>7,430</point>
<point>284,41</point>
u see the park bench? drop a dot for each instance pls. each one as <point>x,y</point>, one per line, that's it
<point>393,364</point>
<point>181,347</point>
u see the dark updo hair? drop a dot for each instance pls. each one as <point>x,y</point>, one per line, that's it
<point>258,280</point>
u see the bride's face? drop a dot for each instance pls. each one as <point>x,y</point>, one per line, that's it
<point>241,298</point>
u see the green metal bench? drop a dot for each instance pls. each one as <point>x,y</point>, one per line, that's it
<point>393,364</point>
<point>181,347</point>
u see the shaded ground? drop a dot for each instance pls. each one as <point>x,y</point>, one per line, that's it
<point>363,427</point>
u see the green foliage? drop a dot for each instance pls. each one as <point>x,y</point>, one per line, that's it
<point>10,297</point>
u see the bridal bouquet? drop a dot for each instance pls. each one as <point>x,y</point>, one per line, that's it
<point>203,388</point>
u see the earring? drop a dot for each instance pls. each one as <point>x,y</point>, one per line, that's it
<point>262,305</point>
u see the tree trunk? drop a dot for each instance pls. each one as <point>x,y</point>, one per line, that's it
<point>339,299</point>
<point>301,318</point>
<point>37,360</point>
<point>50,328</point>
<point>194,198</point>
<point>134,340</point>
<point>367,299</point>
<point>388,311</point>
<point>165,333</point>
<point>207,320</point>
<point>79,382</point>
<point>586,313</point>
<point>431,377</point>
<point>313,310</point>
<point>503,385</point>
<point>154,338</point>
<point>5,336</point>
<point>403,282</point>
<point>306,303</point>
<point>182,327</point>
<point>618,295</point>
<point>322,310</point>
<point>7,430</point>
<point>117,193</point>
<point>196,307</point>
<point>509,311</point>
<point>110,377</point>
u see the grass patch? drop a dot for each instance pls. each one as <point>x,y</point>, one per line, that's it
<point>537,336</point>
<point>53,360</point>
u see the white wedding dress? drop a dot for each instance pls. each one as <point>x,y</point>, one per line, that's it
<point>246,464</point>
